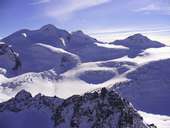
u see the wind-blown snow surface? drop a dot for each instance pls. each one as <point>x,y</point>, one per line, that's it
<point>161,121</point>
<point>58,63</point>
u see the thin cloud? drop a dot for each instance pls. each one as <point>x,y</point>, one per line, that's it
<point>158,7</point>
<point>68,8</point>
<point>151,7</point>
<point>128,31</point>
<point>109,36</point>
<point>112,37</point>
<point>36,2</point>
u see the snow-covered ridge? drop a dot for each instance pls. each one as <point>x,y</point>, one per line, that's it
<point>138,41</point>
<point>160,121</point>
<point>92,110</point>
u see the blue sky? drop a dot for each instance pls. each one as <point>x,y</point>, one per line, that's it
<point>106,20</point>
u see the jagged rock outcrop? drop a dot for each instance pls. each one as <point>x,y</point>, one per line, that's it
<point>6,50</point>
<point>104,109</point>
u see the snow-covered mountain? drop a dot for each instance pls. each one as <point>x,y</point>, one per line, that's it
<point>55,62</point>
<point>92,110</point>
<point>75,42</point>
<point>137,43</point>
<point>38,46</point>
<point>53,44</point>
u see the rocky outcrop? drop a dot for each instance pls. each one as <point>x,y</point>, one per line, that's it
<point>104,109</point>
<point>7,50</point>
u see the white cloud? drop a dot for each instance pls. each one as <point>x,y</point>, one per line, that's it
<point>36,2</point>
<point>148,29</point>
<point>109,35</point>
<point>112,37</point>
<point>155,7</point>
<point>68,8</point>
<point>151,7</point>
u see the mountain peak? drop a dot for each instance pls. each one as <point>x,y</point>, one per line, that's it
<point>53,30</point>
<point>49,28</point>
<point>23,95</point>
<point>138,41</point>
<point>82,35</point>
<point>138,36</point>
<point>79,33</point>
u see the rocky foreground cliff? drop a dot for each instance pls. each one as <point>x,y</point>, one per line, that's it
<point>102,109</point>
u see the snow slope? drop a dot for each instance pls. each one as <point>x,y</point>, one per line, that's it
<point>148,88</point>
<point>34,59</point>
<point>149,81</point>
<point>161,121</point>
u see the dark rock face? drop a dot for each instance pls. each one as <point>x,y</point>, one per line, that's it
<point>7,50</point>
<point>104,109</point>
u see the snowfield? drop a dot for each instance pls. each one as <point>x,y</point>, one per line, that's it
<point>161,121</point>
<point>55,62</point>
<point>149,55</point>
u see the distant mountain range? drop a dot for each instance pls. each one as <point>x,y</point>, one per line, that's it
<point>35,47</point>
<point>55,62</point>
